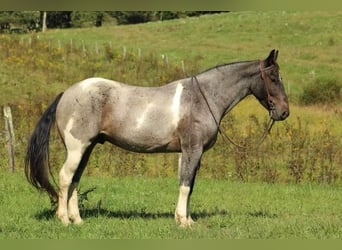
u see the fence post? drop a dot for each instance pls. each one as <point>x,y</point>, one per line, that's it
<point>96,48</point>
<point>10,135</point>
<point>183,67</point>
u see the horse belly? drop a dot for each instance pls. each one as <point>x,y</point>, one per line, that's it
<point>144,141</point>
<point>140,132</point>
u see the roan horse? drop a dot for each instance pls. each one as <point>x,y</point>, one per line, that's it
<point>182,116</point>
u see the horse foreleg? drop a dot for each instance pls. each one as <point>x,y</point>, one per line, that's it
<point>188,165</point>
<point>182,215</point>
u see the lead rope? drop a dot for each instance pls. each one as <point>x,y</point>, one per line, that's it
<point>225,137</point>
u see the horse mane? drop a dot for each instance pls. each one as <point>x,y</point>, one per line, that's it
<point>218,66</point>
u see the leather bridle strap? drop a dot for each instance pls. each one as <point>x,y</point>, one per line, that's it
<point>221,131</point>
<point>266,80</point>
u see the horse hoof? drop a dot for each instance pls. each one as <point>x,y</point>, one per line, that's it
<point>64,219</point>
<point>65,222</point>
<point>78,222</point>
<point>184,222</point>
<point>187,224</point>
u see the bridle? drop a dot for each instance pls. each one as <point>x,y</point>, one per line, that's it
<point>269,102</point>
<point>267,83</point>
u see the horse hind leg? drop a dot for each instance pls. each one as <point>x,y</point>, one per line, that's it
<point>65,179</point>
<point>67,187</point>
<point>73,210</point>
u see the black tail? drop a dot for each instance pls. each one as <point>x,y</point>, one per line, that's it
<point>37,167</point>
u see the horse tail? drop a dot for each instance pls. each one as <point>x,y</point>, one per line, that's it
<point>37,167</point>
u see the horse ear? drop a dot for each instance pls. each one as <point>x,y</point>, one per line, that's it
<point>272,58</point>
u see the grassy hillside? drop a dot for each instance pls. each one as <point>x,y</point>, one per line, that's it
<point>35,67</point>
<point>309,42</point>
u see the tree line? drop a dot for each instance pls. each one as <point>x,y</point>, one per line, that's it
<point>25,21</point>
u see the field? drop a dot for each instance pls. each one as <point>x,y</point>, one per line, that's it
<point>286,188</point>
<point>142,208</point>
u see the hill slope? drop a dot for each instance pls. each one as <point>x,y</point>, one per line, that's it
<point>309,44</point>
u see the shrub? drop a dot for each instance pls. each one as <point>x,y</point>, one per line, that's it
<point>82,19</point>
<point>322,90</point>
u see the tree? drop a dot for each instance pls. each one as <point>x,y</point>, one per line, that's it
<point>86,18</point>
<point>19,21</point>
<point>133,17</point>
<point>58,19</point>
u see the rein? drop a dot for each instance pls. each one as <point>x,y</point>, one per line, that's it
<point>222,133</point>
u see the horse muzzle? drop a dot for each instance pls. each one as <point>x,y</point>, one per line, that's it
<point>279,114</point>
<point>278,108</point>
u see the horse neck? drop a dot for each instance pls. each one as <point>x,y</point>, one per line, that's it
<point>225,86</point>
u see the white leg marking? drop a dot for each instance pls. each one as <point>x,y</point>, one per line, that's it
<point>75,150</point>
<point>73,211</point>
<point>176,103</point>
<point>181,214</point>
<point>183,200</point>
<point>65,179</point>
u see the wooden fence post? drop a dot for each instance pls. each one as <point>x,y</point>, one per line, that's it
<point>10,135</point>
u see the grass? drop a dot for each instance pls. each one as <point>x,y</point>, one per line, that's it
<point>308,44</point>
<point>135,194</point>
<point>293,153</point>
<point>142,208</point>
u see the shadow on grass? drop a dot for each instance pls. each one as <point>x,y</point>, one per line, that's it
<point>48,214</point>
<point>263,214</point>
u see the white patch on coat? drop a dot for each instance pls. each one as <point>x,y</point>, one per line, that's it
<point>176,103</point>
<point>73,145</point>
<point>88,83</point>
<point>141,119</point>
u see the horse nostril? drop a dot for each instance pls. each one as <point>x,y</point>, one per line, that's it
<point>270,104</point>
<point>284,115</point>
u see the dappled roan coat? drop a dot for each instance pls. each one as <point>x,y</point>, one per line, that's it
<point>182,116</point>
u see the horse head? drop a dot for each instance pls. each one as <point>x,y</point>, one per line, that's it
<point>270,89</point>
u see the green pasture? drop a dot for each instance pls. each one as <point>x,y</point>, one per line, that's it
<point>289,187</point>
<point>142,208</point>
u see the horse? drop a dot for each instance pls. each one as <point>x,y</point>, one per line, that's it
<point>182,116</point>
